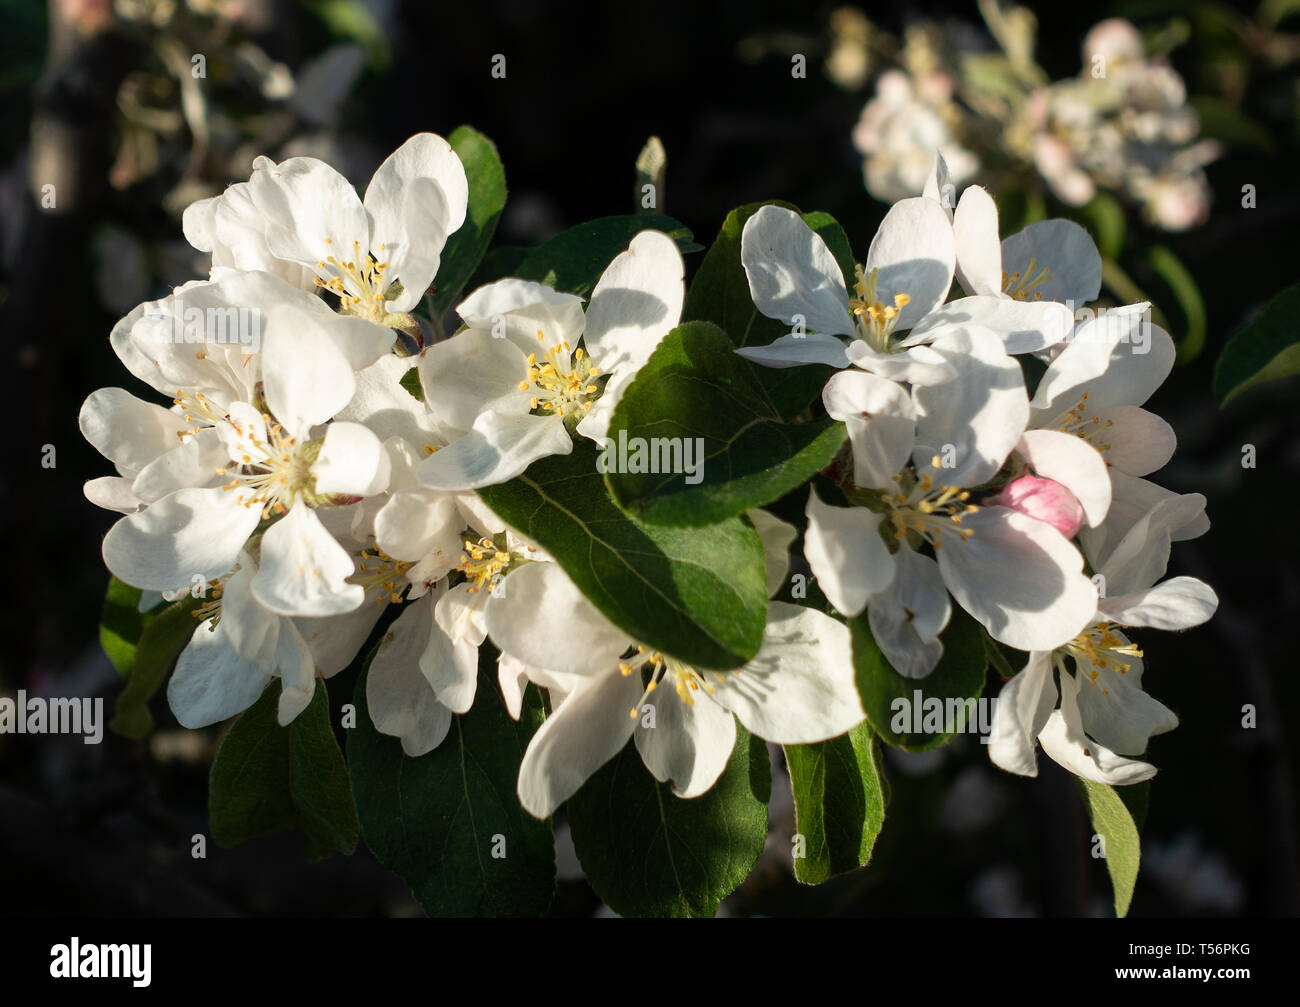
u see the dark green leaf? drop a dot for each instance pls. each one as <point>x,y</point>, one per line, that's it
<point>1108,224</point>
<point>159,645</point>
<point>958,677</point>
<point>838,802</point>
<point>648,852</point>
<point>696,393</point>
<point>487,197</point>
<point>699,594</point>
<point>449,822</point>
<point>573,260</point>
<point>1265,349</point>
<point>1188,295</point>
<point>720,294</point>
<point>120,624</point>
<point>267,777</point>
<point>1113,821</point>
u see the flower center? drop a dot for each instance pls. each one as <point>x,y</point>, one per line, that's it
<point>376,569</point>
<point>1089,428</point>
<point>482,562</point>
<point>875,320</point>
<point>273,472</point>
<point>199,410</point>
<point>686,680</point>
<point>928,511</point>
<point>1102,648</point>
<point>362,289</point>
<point>562,383</point>
<point>1021,287</point>
<point>211,607</point>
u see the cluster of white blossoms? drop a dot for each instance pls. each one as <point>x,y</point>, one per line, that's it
<point>294,483</point>
<point>1123,123</point>
<point>1032,512</point>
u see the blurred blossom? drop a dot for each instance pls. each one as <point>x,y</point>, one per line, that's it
<point>1199,878</point>
<point>1123,124</point>
<point>901,128</point>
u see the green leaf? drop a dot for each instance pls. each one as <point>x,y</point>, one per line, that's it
<point>1112,820</point>
<point>958,677</point>
<point>697,594</point>
<point>487,197</point>
<point>696,394</point>
<point>1106,218</point>
<point>720,294</point>
<point>411,382</point>
<point>1188,295</point>
<point>1266,348</point>
<point>573,260</point>
<point>435,820</point>
<point>267,777</point>
<point>839,805</point>
<point>120,624</point>
<point>159,645</point>
<point>648,852</point>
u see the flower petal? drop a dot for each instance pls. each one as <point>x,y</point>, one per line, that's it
<point>500,447</point>
<point>794,349</point>
<point>907,617</point>
<point>1066,250</point>
<point>588,729</point>
<point>637,300</point>
<point>1072,462</point>
<point>915,252</point>
<point>399,697</point>
<point>689,744</point>
<point>800,687</point>
<point>792,274</point>
<point>303,569</point>
<point>1020,713</point>
<point>848,557</point>
<point>352,462</point>
<point>211,682</point>
<point>1063,739</point>
<point>1019,578</point>
<point>1178,603</point>
<point>979,256</point>
<point>1023,326</point>
<point>190,533</point>
<point>472,374</point>
<point>881,423</point>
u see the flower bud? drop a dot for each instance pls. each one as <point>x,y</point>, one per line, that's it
<point>1044,500</point>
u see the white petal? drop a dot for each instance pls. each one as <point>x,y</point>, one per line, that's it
<point>777,536</point>
<point>112,493</point>
<point>793,350</point>
<point>1116,711</point>
<point>462,613</point>
<point>1023,326</point>
<point>192,463</point>
<point>1021,712</point>
<point>252,631</point>
<point>500,447</point>
<point>589,729</point>
<point>416,524</point>
<point>1063,739</point>
<point>978,417</point>
<point>881,424</point>
<point>352,462</point>
<point>126,430</point>
<point>304,570</point>
<point>1140,558</point>
<point>546,622</point>
<point>907,617</point>
<point>1066,250</point>
<point>471,374</point>
<point>792,274</point>
<point>307,379</point>
<point>450,667</point>
<point>1020,578</point>
<point>512,676</point>
<point>1137,442</point>
<point>211,682</point>
<point>1072,462</point>
<point>917,365</point>
<point>689,744</point>
<point>1178,603</point>
<point>191,533</point>
<point>848,557</point>
<point>1119,359</point>
<point>979,256</point>
<point>800,687</point>
<point>916,253</point>
<point>311,211</point>
<point>399,697</point>
<point>297,670</point>
<point>637,300</point>
<point>517,310</point>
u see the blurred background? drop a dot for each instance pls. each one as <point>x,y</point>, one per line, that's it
<point>828,107</point>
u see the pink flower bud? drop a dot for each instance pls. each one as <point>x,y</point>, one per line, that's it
<point>1044,500</point>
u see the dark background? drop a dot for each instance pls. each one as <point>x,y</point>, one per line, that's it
<point>106,829</point>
